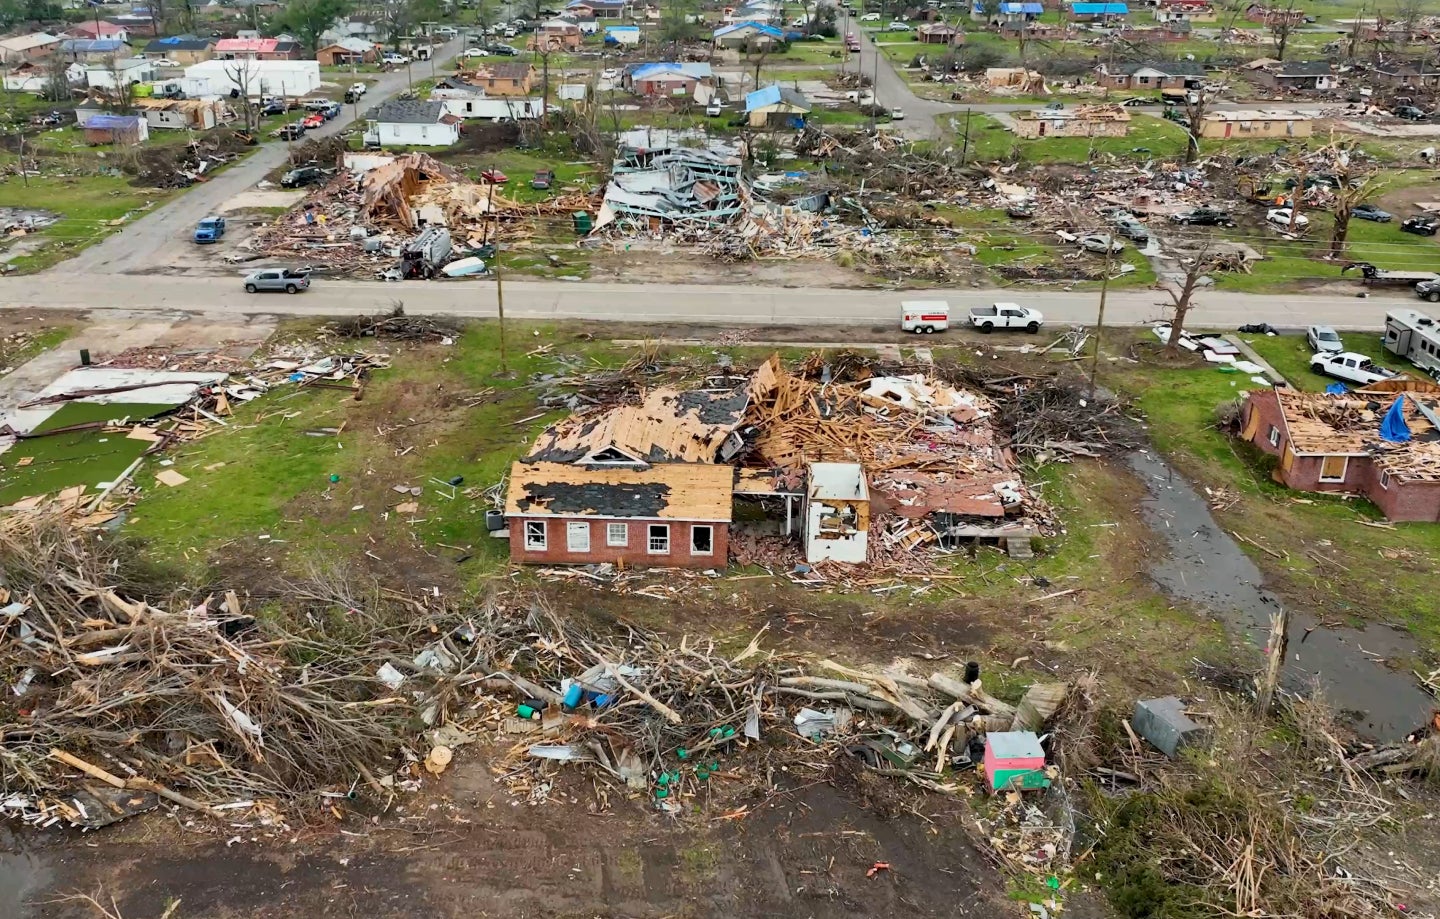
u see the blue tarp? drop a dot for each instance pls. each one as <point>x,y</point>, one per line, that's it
<point>1030,8</point>
<point>110,122</point>
<point>1100,9</point>
<point>1393,428</point>
<point>1335,389</point>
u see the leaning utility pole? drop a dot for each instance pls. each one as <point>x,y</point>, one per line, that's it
<point>1100,316</point>
<point>495,267</point>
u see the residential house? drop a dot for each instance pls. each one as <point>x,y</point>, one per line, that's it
<point>1098,12</point>
<point>92,50</point>
<point>776,106</point>
<point>1153,75</point>
<point>1078,121</point>
<point>622,35</point>
<point>751,12</point>
<point>33,47</point>
<point>258,49</point>
<point>102,29</point>
<point>122,72</point>
<point>1185,11</point>
<point>1276,15</point>
<point>922,14</point>
<point>747,35</point>
<point>1297,75</point>
<point>1405,73</point>
<point>837,513</point>
<point>135,26</point>
<point>1253,123</point>
<point>468,100</point>
<point>556,35</point>
<point>1333,443</point>
<point>182,114</point>
<point>602,9</point>
<point>667,78</point>
<point>1174,30</point>
<point>939,33</point>
<point>32,77</point>
<point>409,123</point>
<point>506,78</point>
<point>121,130</point>
<point>348,51</point>
<point>665,514</point>
<point>1014,12</point>
<point>182,49</point>
<point>366,31</point>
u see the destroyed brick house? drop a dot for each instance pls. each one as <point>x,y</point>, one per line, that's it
<point>1351,443</point>
<point>1297,75</point>
<point>505,79</point>
<point>939,33</point>
<point>1405,73</point>
<point>1082,121</point>
<point>1246,124</point>
<point>1185,11</point>
<point>870,470</point>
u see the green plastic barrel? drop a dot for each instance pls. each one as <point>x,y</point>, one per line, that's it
<point>583,223</point>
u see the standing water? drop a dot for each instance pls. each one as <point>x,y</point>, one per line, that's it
<point>1206,567</point>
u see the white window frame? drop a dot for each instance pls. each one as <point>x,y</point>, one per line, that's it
<point>1344,469</point>
<point>694,528</point>
<point>1274,436</point>
<point>650,539</point>
<point>617,541</point>
<point>1385,480</point>
<point>574,530</point>
<point>533,545</point>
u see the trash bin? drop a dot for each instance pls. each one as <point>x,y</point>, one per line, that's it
<point>583,223</point>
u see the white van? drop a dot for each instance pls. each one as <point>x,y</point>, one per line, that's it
<point>924,316</point>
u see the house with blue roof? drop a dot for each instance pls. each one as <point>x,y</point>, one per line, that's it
<point>747,34</point>
<point>667,78</point>
<point>1099,12</point>
<point>622,35</point>
<point>776,106</point>
<point>182,49</point>
<point>92,50</point>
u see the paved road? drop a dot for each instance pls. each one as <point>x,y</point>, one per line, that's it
<point>727,305</point>
<point>143,244</point>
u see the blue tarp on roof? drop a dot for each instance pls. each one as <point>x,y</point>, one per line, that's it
<point>760,27</point>
<point>760,98</point>
<point>1035,8</point>
<point>1101,9</point>
<point>1336,389</point>
<point>108,122</point>
<point>91,45</point>
<point>1393,428</point>
<point>646,71</point>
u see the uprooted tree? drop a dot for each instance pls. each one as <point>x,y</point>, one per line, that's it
<point>1182,293</point>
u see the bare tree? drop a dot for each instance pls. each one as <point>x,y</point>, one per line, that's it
<point>1197,105</point>
<point>1182,292</point>
<point>240,75</point>
<point>122,89</point>
<point>1357,182</point>
<point>1408,14</point>
<point>57,80</point>
<point>1282,26</point>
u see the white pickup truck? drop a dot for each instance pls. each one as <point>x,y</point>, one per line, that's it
<point>1006,316</point>
<point>1351,367</point>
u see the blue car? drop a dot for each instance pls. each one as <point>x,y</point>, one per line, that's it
<point>1371,212</point>
<point>210,230</point>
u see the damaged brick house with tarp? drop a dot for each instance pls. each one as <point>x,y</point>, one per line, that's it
<point>639,484</point>
<point>1381,442</point>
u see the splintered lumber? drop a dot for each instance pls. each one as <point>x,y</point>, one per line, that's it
<point>670,714</point>
<point>95,772</point>
<point>971,693</point>
<point>1040,703</point>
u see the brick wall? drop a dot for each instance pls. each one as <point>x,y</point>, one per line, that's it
<point>635,552</point>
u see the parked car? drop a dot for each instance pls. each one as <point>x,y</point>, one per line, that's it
<point>870,17</point>
<point>474,52</point>
<point>209,230</point>
<point>312,121</point>
<point>1100,242</point>
<point>1322,339</point>
<point>1006,316</point>
<point>304,175</point>
<point>390,57</point>
<point>1420,226</point>
<point>1131,228</point>
<point>897,114</point>
<point>1351,367</point>
<point>897,26</point>
<point>447,31</point>
<point>166,62</point>
<point>1371,212</point>
<point>510,33</point>
<point>543,179</point>
<point>502,50</point>
<point>1055,106</point>
<point>359,88</point>
<point>1280,217</point>
<point>1021,210</point>
<point>1203,217</point>
<point>1428,290</point>
<point>494,177</point>
<point>273,108</point>
<point>292,131</point>
<point>275,280</point>
<point>1411,113</point>
<point>714,109</point>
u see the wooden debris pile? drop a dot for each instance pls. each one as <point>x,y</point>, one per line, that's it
<point>396,325</point>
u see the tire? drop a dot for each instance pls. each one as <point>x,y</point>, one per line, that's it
<point>1317,368</point>
<point>249,288</point>
<point>1033,327</point>
<point>291,289</point>
<point>929,330</point>
<point>918,331</point>
<point>1433,296</point>
<point>987,327</point>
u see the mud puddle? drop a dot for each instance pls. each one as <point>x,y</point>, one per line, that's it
<point>1205,566</point>
<point>22,875</point>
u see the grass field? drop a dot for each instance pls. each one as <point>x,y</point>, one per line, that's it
<point>91,208</point>
<point>1149,137</point>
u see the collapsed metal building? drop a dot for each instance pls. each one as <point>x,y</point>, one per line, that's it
<point>673,176</point>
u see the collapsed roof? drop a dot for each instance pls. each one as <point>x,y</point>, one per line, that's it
<point>1331,425</point>
<point>655,177</point>
<point>669,426</point>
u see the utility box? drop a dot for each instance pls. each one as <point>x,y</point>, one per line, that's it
<point>1165,725</point>
<point>1014,761</point>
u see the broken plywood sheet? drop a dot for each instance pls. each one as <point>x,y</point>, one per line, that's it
<point>170,477</point>
<point>669,426</point>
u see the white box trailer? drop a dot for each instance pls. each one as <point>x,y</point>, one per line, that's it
<point>924,316</point>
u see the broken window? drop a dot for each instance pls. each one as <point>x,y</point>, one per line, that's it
<point>1385,480</point>
<point>659,542</point>
<point>702,540</point>
<point>617,534</point>
<point>535,535</point>
<point>577,537</point>
<point>1332,468</point>
<point>1273,436</point>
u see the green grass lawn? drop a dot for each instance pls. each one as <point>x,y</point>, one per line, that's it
<point>1149,138</point>
<point>91,208</point>
<point>45,465</point>
<point>1290,355</point>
